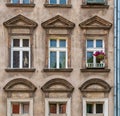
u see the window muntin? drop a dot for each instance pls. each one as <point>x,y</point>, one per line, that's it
<point>57,53</point>
<point>20,52</point>
<point>94,108</point>
<point>57,1</point>
<point>92,46</point>
<point>20,107</point>
<point>20,1</point>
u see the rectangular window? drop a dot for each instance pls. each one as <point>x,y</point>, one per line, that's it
<point>57,1</point>
<point>20,1</point>
<point>20,108</point>
<point>95,53</point>
<point>95,1</point>
<point>20,52</point>
<point>57,53</point>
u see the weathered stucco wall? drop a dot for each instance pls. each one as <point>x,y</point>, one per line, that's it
<point>39,14</point>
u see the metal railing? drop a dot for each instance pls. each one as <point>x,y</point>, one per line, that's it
<point>95,65</point>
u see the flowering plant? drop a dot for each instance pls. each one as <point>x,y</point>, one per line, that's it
<point>99,55</point>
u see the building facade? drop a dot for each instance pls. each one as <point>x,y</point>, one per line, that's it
<point>56,58</point>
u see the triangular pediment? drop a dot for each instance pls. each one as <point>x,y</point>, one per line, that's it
<point>19,85</point>
<point>95,23</point>
<point>20,21</point>
<point>57,85</point>
<point>95,85</point>
<point>58,22</point>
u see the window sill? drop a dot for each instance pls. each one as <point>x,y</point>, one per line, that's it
<point>95,6</point>
<point>96,70</point>
<point>58,5</point>
<point>20,5</point>
<point>58,70</point>
<point>20,70</point>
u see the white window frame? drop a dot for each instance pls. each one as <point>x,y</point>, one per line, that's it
<point>60,100</point>
<point>11,100</point>
<point>94,49</point>
<point>58,50</point>
<point>102,100</point>
<point>20,49</point>
<point>58,2</point>
<point>21,1</point>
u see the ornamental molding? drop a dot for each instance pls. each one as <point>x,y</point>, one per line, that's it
<point>58,22</point>
<point>95,22</point>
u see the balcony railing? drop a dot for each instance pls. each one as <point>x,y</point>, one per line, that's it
<point>95,114</point>
<point>51,114</point>
<point>11,1</point>
<point>95,65</point>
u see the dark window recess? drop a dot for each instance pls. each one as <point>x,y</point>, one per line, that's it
<point>16,59</point>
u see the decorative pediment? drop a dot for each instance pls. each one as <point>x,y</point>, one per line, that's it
<point>58,22</point>
<point>95,23</point>
<point>95,85</point>
<point>19,85</point>
<point>57,85</point>
<point>20,21</point>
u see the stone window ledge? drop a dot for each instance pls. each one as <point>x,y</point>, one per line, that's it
<point>58,70</point>
<point>95,6</point>
<point>20,70</point>
<point>20,5</point>
<point>58,5</point>
<point>96,70</point>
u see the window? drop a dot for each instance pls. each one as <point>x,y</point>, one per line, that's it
<point>57,53</point>
<point>57,107</point>
<point>57,1</point>
<point>20,1</point>
<point>20,52</point>
<point>21,107</point>
<point>95,107</point>
<point>92,47</point>
<point>95,1</point>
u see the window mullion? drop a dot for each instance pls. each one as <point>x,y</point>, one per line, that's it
<point>58,55</point>
<point>57,108</point>
<point>21,58</point>
<point>94,108</point>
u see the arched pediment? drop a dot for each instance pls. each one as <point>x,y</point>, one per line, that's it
<point>57,85</point>
<point>19,85</point>
<point>20,21</point>
<point>95,85</point>
<point>58,22</point>
<point>95,23</point>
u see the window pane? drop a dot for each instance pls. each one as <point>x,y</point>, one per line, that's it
<point>25,108</point>
<point>16,59</point>
<point>53,43</point>
<point>62,43</point>
<point>89,43</point>
<point>25,42</point>
<point>52,59</point>
<point>99,43</point>
<point>52,108</point>
<point>53,1</point>
<point>15,108</point>
<point>62,60</point>
<point>62,108</point>
<point>15,1</point>
<point>16,42</point>
<point>26,1</point>
<point>25,59</point>
<point>89,57</point>
<point>99,108</point>
<point>62,1</point>
<point>89,108</point>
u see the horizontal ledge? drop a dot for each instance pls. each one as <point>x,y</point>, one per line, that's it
<point>95,6</point>
<point>58,70</point>
<point>20,5</point>
<point>20,70</point>
<point>95,70</point>
<point>58,5</point>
